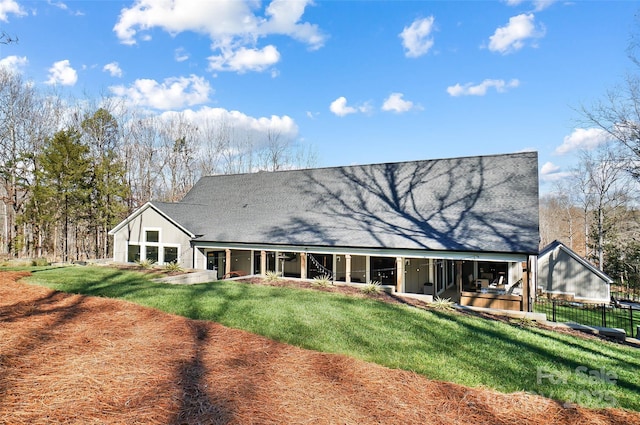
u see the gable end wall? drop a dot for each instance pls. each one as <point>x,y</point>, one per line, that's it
<point>560,273</point>
<point>133,232</point>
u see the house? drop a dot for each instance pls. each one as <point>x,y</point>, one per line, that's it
<point>564,274</point>
<point>463,225</point>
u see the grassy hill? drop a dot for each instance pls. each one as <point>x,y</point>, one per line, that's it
<point>442,345</point>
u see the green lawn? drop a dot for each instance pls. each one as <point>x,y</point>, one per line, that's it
<point>447,346</point>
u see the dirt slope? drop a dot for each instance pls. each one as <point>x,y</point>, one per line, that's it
<point>75,359</point>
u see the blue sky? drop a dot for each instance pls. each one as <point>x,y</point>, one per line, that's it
<point>360,81</point>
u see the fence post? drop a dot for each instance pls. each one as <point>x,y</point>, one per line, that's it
<point>604,316</point>
<point>631,320</point>
<point>553,310</point>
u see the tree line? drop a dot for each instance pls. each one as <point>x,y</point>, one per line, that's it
<point>596,210</point>
<point>71,170</point>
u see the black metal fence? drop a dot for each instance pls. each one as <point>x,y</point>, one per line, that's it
<point>625,293</point>
<point>606,315</point>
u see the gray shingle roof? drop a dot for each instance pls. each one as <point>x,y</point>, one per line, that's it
<point>484,203</point>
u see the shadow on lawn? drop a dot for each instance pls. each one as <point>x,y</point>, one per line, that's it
<point>196,405</point>
<point>444,338</point>
<point>528,360</point>
<point>59,307</point>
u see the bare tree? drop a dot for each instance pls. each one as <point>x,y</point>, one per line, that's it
<point>558,219</point>
<point>275,153</point>
<point>144,160</point>
<point>603,184</point>
<point>177,139</point>
<point>211,146</point>
<point>5,38</point>
<point>618,114</point>
<point>18,102</point>
<point>280,152</point>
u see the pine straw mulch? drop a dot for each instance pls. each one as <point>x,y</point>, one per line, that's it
<point>77,359</point>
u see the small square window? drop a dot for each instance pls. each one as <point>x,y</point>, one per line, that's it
<point>152,236</point>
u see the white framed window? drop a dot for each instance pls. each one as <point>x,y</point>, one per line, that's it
<point>152,234</point>
<point>133,253</point>
<point>152,248</point>
<point>170,254</point>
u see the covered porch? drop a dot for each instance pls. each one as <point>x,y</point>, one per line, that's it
<point>494,281</point>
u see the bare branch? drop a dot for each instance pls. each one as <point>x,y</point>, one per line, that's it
<point>7,39</point>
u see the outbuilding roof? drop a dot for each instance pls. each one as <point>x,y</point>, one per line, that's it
<point>481,203</point>
<point>557,245</point>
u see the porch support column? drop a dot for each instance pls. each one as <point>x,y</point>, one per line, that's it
<point>526,282</point>
<point>303,265</point>
<point>334,268</point>
<point>367,269</point>
<point>227,263</point>
<point>459,276</point>
<point>263,263</point>
<point>347,268</point>
<point>432,274</point>
<point>400,273</point>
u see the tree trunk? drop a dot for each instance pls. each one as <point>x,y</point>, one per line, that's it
<point>600,239</point>
<point>66,229</point>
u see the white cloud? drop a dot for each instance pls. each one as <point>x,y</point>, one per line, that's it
<point>543,4</point>
<point>113,69</point>
<point>10,7</point>
<point>582,138</point>
<point>511,37</point>
<point>284,19</point>
<point>62,73</point>
<point>396,103</point>
<point>340,108</point>
<point>180,55</point>
<point>549,167</point>
<point>469,89</point>
<point>172,93</point>
<point>203,117</point>
<point>234,27</point>
<point>537,4</point>
<point>59,5</point>
<point>243,59</point>
<point>13,63</point>
<point>416,38</point>
<point>552,173</point>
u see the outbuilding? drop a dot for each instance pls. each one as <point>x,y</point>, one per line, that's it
<point>562,273</point>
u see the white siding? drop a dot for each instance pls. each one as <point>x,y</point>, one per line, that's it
<point>561,273</point>
<point>133,233</point>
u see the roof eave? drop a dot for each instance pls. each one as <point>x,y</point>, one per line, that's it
<point>156,209</point>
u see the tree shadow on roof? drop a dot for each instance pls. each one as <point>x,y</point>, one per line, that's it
<point>463,204</point>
